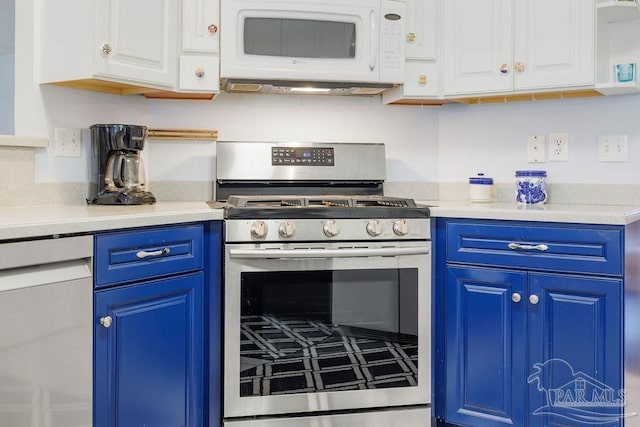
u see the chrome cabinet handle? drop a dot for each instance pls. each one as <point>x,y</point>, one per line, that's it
<point>212,29</point>
<point>534,299</point>
<point>516,297</point>
<point>145,254</point>
<point>516,246</point>
<point>411,37</point>
<point>106,321</point>
<point>199,72</point>
<point>106,48</point>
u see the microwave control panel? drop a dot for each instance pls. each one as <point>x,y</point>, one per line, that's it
<point>302,156</point>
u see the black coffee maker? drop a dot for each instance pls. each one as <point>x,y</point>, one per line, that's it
<point>120,176</point>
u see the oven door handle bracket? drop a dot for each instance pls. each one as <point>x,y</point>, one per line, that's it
<point>327,253</point>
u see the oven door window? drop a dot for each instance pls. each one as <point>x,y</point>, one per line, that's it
<point>322,331</point>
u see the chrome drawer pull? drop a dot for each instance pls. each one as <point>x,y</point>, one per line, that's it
<point>540,247</point>
<point>145,254</point>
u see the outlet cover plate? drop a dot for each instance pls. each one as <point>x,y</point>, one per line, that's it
<point>559,147</point>
<point>535,149</point>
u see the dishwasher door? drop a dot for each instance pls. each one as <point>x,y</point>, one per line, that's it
<point>46,332</point>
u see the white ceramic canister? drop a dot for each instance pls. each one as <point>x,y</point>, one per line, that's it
<point>531,187</point>
<point>481,189</point>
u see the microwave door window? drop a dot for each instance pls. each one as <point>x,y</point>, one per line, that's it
<point>299,38</point>
<point>322,331</point>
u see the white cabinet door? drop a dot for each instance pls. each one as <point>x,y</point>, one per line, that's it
<point>421,25</point>
<point>478,46</point>
<point>136,40</point>
<point>554,43</point>
<point>200,25</point>
<point>500,46</point>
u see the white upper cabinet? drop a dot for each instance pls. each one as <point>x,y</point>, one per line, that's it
<point>199,59</point>
<point>421,55</point>
<point>421,29</point>
<point>501,46</point>
<point>478,46</point>
<point>136,40</point>
<point>131,46</point>
<point>200,26</point>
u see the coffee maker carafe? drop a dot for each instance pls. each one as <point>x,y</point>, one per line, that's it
<point>120,174</point>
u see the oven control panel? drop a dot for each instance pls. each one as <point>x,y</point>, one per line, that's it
<point>302,156</point>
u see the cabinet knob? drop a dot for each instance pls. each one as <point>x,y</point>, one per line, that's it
<point>200,72</point>
<point>106,321</point>
<point>212,29</point>
<point>519,67</point>
<point>504,68</point>
<point>106,48</point>
<point>516,297</point>
<point>422,79</point>
<point>411,37</point>
<point>534,299</point>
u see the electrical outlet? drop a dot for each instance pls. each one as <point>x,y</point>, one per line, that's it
<point>535,149</point>
<point>68,142</point>
<point>558,147</point>
<point>613,148</point>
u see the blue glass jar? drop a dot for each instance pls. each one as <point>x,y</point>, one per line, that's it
<point>531,187</point>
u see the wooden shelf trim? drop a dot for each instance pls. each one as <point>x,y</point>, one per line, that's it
<point>184,134</point>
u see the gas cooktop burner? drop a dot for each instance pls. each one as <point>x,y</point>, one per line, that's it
<point>322,206</point>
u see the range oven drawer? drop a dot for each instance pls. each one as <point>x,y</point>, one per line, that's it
<point>543,246</point>
<point>141,254</point>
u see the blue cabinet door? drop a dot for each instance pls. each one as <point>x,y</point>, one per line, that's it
<point>148,365</point>
<point>485,346</point>
<point>575,358</point>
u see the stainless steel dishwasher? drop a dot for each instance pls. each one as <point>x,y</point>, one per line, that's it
<point>46,332</point>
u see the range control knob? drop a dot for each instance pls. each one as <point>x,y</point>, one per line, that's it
<point>286,229</point>
<point>259,229</point>
<point>374,228</point>
<point>401,227</point>
<point>331,228</point>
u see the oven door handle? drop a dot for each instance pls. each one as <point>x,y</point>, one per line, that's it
<point>327,253</point>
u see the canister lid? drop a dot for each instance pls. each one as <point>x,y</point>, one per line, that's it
<point>481,179</point>
<point>536,173</point>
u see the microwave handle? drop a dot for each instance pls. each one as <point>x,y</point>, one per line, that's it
<point>374,41</point>
<point>326,253</point>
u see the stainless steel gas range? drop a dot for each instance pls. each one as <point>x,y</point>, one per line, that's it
<point>326,289</point>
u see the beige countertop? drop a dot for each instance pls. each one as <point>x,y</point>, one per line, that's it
<point>35,221</point>
<point>570,213</point>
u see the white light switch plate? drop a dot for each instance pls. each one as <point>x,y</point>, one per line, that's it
<point>613,148</point>
<point>68,142</point>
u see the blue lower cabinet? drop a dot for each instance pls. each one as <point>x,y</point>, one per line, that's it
<point>519,345</point>
<point>575,359</point>
<point>486,338</point>
<point>149,354</point>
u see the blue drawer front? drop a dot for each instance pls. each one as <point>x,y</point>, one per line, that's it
<point>132,255</point>
<point>543,246</point>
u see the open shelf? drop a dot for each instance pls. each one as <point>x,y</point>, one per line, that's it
<point>618,88</point>
<point>616,10</point>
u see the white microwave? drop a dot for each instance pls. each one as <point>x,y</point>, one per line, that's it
<point>319,43</point>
